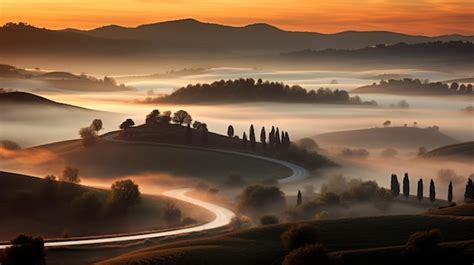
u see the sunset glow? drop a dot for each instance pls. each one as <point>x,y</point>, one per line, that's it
<point>428,17</point>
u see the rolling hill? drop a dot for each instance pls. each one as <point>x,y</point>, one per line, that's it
<point>456,151</point>
<point>345,237</point>
<point>12,102</point>
<point>119,159</point>
<point>396,137</point>
<point>50,209</point>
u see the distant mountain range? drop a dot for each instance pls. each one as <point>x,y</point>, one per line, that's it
<point>192,35</point>
<point>191,43</point>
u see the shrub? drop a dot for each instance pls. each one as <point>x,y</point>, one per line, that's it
<point>300,235</point>
<point>423,246</point>
<point>269,220</point>
<point>25,250</point>
<point>261,198</point>
<point>310,254</point>
<point>88,136</point>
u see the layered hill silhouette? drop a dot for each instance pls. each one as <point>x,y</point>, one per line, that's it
<point>12,100</point>
<point>455,151</point>
<point>397,137</point>
<point>192,35</point>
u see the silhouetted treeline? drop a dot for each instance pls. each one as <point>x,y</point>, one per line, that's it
<point>416,86</point>
<point>249,90</point>
<point>448,54</point>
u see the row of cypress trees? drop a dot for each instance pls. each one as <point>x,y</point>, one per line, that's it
<point>395,189</point>
<point>276,139</point>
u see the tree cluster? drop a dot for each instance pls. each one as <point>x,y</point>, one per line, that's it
<point>409,85</point>
<point>249,90</point>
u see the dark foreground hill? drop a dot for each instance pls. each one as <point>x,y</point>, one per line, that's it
<point>396,137</point>
<point>55,209</point>
<point>369,240</point>
<point>456,151</point>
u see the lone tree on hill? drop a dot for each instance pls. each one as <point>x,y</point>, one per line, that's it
<point>432,191</point>
<point>244,140</point>
<point>394,185</point>
<point>230,131</point>
<point>450,192</point>
<point>387,123</point>
<point>128,123</point>
<point>299,199</point>
<point>125,194</point>
<point>469,194</point>
<point>263,138</point>
<point>406,186</point>
<point>419,191</point>
<point>189,134</point>
<point>182,116</point>
<point>252,137</point>
<point>97,125</point>
<point>70,174</point>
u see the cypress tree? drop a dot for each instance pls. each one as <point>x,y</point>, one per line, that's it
<point>244,140</point>
<point>189,134</point>
<point>277,138</point>
<point>419,192</point>
<point>299,199</point>
<point>263,137</point>
<point>432,191</point>
<point>450,192</point>
<point>394,185</point>
<point>287,139</point>
<point>469,194</point>
<point>271,137</point>
<point>252,136</point>
<point>406,186</point>
<point>230,131</point>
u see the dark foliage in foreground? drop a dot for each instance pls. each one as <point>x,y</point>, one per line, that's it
<point>299,235</point>
<point>310,254</point>
<point>25,250</point>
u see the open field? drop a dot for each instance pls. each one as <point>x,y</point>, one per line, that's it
<point>263,246</point>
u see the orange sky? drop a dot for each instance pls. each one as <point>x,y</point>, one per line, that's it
<point>425,17</point>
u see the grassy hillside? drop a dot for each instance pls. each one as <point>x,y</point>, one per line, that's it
<point>115,159</point>
<point>262,245</point>
<point>463,151</point>
<point>35,206</point>
<point>396,137</point>
<point>466,209</point>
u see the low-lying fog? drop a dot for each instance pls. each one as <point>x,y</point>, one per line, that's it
<point>301,120</point>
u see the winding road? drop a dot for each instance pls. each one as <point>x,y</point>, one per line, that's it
<point>223,216</point>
